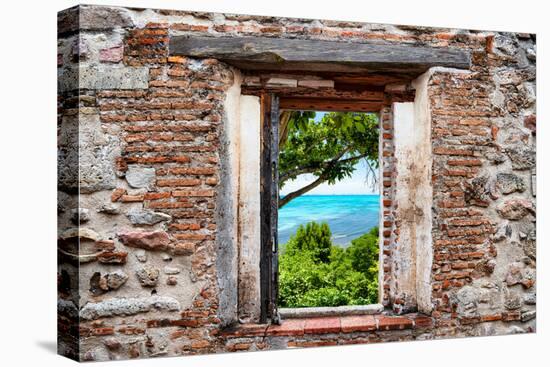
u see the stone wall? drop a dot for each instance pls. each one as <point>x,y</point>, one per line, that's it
<point>147,241</point>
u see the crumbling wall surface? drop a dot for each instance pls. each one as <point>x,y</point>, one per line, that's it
<point>483,143</point>
<point>149,165</point>
<point>143,163</point>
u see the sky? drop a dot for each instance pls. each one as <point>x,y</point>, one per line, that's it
<point>354,185</point>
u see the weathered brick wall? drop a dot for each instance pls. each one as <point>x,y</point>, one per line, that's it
<point>388,229</point>
<point>141,170</point>
<point>483,138</point>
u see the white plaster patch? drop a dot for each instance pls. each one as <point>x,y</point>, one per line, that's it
<point>249,209</point>
<point>424,193</point>
<point>405,145</point>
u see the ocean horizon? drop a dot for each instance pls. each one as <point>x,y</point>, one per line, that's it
<point>348,215</point>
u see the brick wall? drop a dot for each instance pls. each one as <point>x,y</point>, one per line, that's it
<point>388,229</point>
<point>138,225</point>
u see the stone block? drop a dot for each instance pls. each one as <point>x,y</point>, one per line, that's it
<point>508,183</point>
<point>148,276</point>
<point>102,77</point>
<point>516,209</point>
<point>97,153</point>
<point>127,306</point>
<point>522,156</point>
<point>152,241</point>
<point>103,18</point>
<point>147,217</point>
<point>140,177</point>
<point>111,54</point>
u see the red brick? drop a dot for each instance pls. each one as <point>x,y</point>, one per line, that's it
<point>199,344</point>
<point>393,323</point>
<point>191,236</point>
<point>189,27</point>
<point>358,323</point>
<point>185,226</point>
<point>185,323</point>
<point>130,330</point>
<point>320,325</point>
<point>192,171</point>
<point>422,321</point>
<point>183,248</point>
<point>192,313</point>
<point>131,198</point>
<point>191,193</point>
<point>105,245</point>
<point>290,327</point>
<point>271,29</point>
<point>179,182</point>
<point>117,194</point>
<point>457,172</point>
<point>495,317</point>
<point>112,257</point>
<point>470,320</point>
<point>177,59</point>
<point>245,330</point>
<point>169,205</point>
<point>238,347</point>
<point>511,316</point>
<point>103,331</point>
<point>156,195</point>
<point>452,151</point>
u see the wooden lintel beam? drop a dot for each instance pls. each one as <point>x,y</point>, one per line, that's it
<point>323,104</point>
<point>328,93</point>
<point>253,53</point>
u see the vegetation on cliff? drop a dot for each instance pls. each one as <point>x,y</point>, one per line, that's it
<point>313,272</point>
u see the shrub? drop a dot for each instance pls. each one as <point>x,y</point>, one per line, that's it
<point>314,238</point>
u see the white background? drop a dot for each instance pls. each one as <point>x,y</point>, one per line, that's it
<point>28,182</point>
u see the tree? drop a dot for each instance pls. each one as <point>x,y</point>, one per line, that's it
<point>312,237</point>
<point>328,149</point>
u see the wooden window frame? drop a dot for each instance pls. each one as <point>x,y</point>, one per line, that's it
<point>271,105</point>
<point>269,198</point>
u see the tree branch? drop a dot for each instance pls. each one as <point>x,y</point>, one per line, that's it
<point>303,190</point>
<point>305,169</point>
<point>354,158</point>
<point>322,178</point>
<point>296,172</point>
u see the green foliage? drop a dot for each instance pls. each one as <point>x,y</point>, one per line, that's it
<point>329,148</point>
<point>314,238</point>
<point>345,277</point>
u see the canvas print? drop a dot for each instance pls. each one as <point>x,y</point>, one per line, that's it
<point>233,183</point>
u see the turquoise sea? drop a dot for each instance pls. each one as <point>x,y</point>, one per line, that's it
<point>348,216</point>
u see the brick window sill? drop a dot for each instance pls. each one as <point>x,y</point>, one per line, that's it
<point>331,325</point>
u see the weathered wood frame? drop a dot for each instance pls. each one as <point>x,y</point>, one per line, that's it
<point>263,53</point>
<point>269,198</point>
